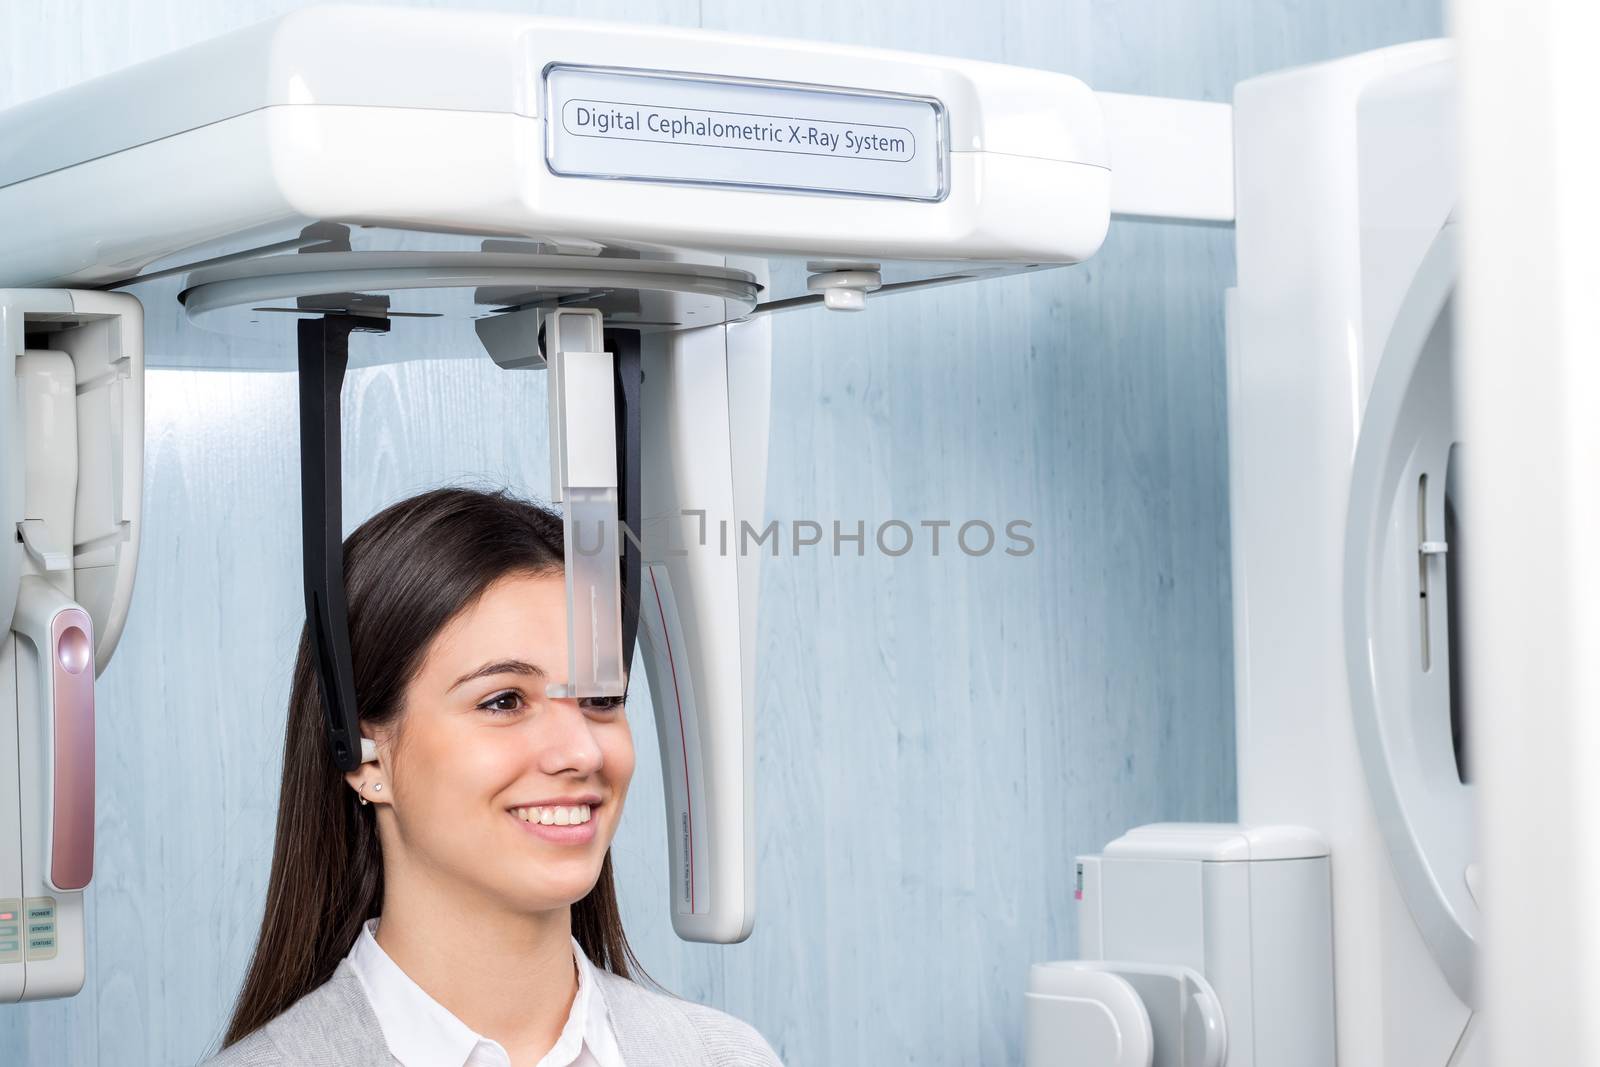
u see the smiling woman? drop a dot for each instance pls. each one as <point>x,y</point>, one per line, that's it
<point>451,903</point>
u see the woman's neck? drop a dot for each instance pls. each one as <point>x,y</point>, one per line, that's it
<point>509,977</point>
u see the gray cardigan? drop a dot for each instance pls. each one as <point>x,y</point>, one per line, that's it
<point>334,1026</point>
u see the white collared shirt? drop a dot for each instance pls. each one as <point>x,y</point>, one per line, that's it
<point>421,1032</point>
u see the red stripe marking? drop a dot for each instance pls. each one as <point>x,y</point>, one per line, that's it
<point>688,795</point>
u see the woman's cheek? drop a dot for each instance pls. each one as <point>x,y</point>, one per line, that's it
<point>480,747</point>
<point>464,760</point>
<point>619,752</point>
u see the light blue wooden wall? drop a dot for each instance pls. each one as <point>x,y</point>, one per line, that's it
<point>937,737</point>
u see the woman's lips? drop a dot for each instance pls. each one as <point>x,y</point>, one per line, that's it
<point>581,834</point>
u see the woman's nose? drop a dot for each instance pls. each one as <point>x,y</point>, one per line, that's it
<point>566,742</point>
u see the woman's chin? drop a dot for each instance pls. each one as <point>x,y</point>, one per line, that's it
<point>543,885</point>
<point>542,899</point>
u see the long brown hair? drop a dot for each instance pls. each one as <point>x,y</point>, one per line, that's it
<point>408,571</point>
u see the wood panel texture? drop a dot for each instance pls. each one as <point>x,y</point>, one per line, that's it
<point>939,736</point>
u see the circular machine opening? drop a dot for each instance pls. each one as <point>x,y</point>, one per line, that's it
<point>1402,612</point>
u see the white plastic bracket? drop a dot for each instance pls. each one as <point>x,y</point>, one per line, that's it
<point>845,290</point>
<point>37,539</point>
<point>1170,159</point>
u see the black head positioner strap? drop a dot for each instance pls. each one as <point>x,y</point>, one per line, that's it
<point>324,354</point>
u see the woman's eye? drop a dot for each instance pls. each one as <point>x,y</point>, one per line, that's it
<point>602,703</point>
<point>503,703</point>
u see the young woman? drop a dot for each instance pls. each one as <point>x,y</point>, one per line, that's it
<point>451,904</point>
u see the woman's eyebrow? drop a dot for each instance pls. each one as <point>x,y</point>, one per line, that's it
<point>500,666</point>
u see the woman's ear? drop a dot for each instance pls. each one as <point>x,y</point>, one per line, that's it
<point>367,779</point>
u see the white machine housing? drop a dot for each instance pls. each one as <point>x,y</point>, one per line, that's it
<point>437,121</point>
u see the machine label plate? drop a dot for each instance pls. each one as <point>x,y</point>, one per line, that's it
<point>640,126</point>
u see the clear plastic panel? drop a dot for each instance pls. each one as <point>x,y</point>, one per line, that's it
<point>594,594</point>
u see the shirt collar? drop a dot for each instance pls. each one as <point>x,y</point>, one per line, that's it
<point>421,1032</point>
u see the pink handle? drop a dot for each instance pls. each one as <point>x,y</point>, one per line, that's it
<point>71,665</point>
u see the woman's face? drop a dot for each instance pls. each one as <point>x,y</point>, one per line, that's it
<point>487,768</point>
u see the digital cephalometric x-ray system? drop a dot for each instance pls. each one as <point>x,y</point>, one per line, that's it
<point>624,208</point>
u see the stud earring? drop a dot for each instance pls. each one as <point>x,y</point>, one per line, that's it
<point>378,788</point>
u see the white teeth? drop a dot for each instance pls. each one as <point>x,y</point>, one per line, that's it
<point>575,815</point>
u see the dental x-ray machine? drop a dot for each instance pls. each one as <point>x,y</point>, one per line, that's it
<point>618,205</point>
<point>623,206</point>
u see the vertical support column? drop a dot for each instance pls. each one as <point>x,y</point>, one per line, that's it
<point>707,394</point>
